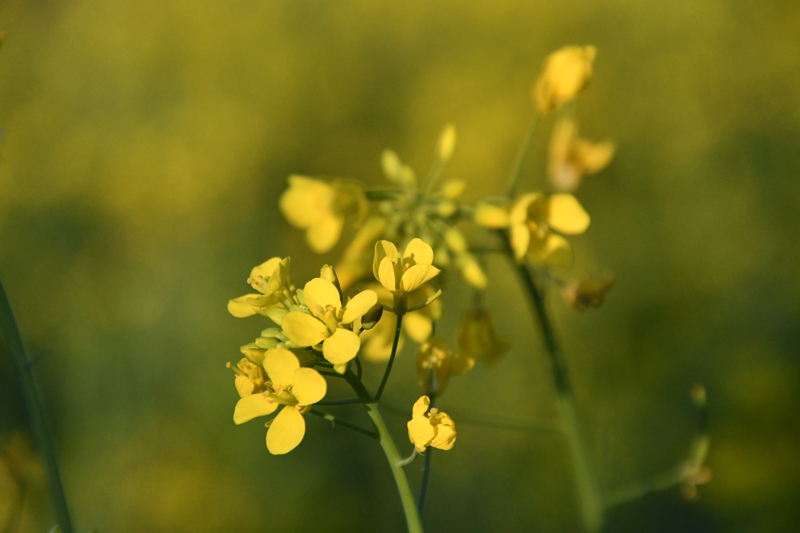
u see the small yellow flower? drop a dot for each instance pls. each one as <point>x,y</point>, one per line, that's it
<point>430,429</point>
<point>566,73</point>
<point>325,320</point>
<point>249,378</point>
<point>435,365</point>
<point>571,157</point>
<point>320,208</point>
<point>268,279</point>
<point>477,338</point>
<point>534,215</point>
<point>290,385</point>
<point>401,275</point>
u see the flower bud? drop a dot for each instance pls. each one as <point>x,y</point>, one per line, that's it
<point>566,73</point>
<point>447,142</point>
<point>587,293</point>
<point>433,366</point>
<point>372,316</point>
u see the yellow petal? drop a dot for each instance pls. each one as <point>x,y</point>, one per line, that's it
<point>420,433</point>
<point>566,73</point>
<point>420,407</point>
<point>594,157</point>
<point>240,308</point>
<point>280,365</point>
<point>309,386</point>
<point>266,268</point>
<point>520,240</point>
<point>305,201</point>
<point>445,432</point>
<point>472,271</point>
<point>341,347</point>
<point>253,406</point>
<point>244,386</point>
<point>491,216</point>
<point>416,276</point>
<point>519,211</point>
<point>358,305</point>
<point>386,274</point>
<point>418,252</point>
<point>286,431</point>
<point>383,249</point>
<point>321,292</point>
<point>567,215</point>
<point>324,233</point>
<point>418,326</point>
<point>554,251</point>
<point>303,329</point>
<point>447,142</point>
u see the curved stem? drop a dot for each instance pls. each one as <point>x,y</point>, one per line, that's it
<point>588,495</point>
<point>335,421</point>
<point>391,359</point>
<point>400,478</point>
<point>35,412</point>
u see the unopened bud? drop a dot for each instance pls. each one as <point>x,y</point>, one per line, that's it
<point>434,366</point>
<point>447,142</point>
<point>372,316</point>
<point>587,293</point>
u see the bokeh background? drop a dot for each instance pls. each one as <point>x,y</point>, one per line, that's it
<point>144,148</point>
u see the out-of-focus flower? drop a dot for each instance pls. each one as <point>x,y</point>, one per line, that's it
<point>403,274</point>
<point>477,338</point>
<point>326,319</point>
<point>566,73</point>
<point>430,428</point>
<point>435,365</point>
<point>290,385</point>
<point>534,215</point>
<point>571,157</point>
<point>356,262</point>
<point>320,207</point>
<point>587,293</point>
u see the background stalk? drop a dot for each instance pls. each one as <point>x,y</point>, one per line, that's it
<point>41,435</point>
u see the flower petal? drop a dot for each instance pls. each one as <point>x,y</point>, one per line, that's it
<point>418,252</point>
<point>341,347</point>
<point>309,386</point>
<point>305,201</point>
<point>253,406</point>
<point>383,249</point>
<point>418,326</point>
<point>280,365</point>
<point>386,274</point>
<point>324,233</point>
<point>519,211</point>
<point>520,239</point>
<point>491,216</point>
<point>244,386</point>
<point>420,407</point>
<point>567,215</point>
<point>240,308</point>
<point>286,431</point>
<point>416,276</point>
<point>266,268</point>
<point>321,292</point>
<point>303,329</point>
<point>358,305</point>
<point>445,430</point>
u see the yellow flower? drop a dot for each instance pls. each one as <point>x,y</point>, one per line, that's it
<point>432,429</point>
<point>249,378</point>
<point>566,73</point>
<point>290,385</point>
<point>324,321</point>
<point>320,207</point>
<point>571,157</point>
<point>531,219</point>
<point>435,365</point>
<point>356,261</point>
<point>587,293</point>
<point>401,275</point>
<point>270,279</point>
<point>477,338</point>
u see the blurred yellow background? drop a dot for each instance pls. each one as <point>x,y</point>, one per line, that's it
<point>144,149</point>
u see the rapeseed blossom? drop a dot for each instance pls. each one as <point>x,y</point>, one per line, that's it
<point>432,428</point>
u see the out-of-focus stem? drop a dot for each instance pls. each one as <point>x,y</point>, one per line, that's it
<point>400,478</point>
<point>522,154</point>
<point>591,505</point>
<point>35,412</point>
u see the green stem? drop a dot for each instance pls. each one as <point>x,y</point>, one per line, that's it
<point>35,412</point>
<point>519,161</point>
<point>332,419</point>
<point>585,484</point>
<point>400,478</point>
<point>391,359</point>
<point>426,473</point>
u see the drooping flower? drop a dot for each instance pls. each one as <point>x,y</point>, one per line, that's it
<point>269,279</point>
<point>326,321</point>
<point>587,293</point>
<point>320,207</point>
<point>435,365</point>
<point>432,428</point>
<point>477,338</point>
<point>290,385</point>
<point>572,157</point>
<point>566,73</point>
<point>401,275</point>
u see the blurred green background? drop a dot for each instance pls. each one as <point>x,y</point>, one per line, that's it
<point>144,149</point>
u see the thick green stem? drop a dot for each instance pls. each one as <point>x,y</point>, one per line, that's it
<point>35,412</point>
<point>591,505</point>
<point>400,478</point>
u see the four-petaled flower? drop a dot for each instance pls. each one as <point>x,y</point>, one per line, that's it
<point>290,385</point>
<point>403,274</point>
<point>325,320</point>
<point>432,429</point>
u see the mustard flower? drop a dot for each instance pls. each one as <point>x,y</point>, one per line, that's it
<point>290,385</point>
<point>587,293</point>
<point>566,73</point>
<point>326,321</point>
<point>268,279</point>
<point>430,428</point>
<point>477,338</point>
<point>320,207</point>
<point>571,157</point>
<point>403,274</point>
